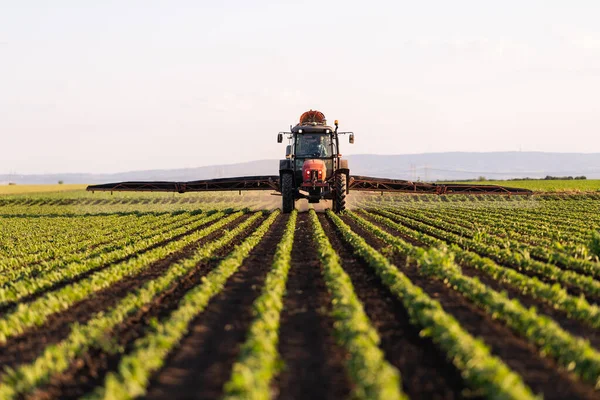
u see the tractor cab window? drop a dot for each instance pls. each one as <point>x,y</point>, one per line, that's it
<point>313,145</point>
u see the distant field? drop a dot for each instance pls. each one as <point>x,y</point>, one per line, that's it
<point>588,185</point>
<point>23,189</point>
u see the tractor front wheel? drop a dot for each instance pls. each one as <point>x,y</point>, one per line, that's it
<point>339,202</point>
<point>287,193</point>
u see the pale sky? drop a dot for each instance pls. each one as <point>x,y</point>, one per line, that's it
<point>130,85</point>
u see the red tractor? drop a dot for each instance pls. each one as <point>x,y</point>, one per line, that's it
<point>313,167</point>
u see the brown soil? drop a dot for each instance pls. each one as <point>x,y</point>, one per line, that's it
<point>313,362</point>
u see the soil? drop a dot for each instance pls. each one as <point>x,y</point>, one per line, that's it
<point>313,362</point>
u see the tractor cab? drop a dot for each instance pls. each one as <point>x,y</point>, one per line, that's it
<point>314,149</point>
<point>313,168</point>
<point>314,145</point>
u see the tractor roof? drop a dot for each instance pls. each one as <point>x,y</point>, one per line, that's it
<point>309,128</point>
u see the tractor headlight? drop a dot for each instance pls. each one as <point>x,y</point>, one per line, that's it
<point>299,130</point>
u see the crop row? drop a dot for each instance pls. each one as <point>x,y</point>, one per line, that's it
<point>517,260</point>
<point>63,253</point>
<point>149,352</point>
<point>483,371</point>
<point>574,354</point>
<point>546,236</point>
<point>523,224</point>
<point>41,277</point>
<point>372,375</point>
<point>567,261</point>
<point>545,242</point>
<point>574,216</point>
<point>22,236</point>
<point>554,295</point>
<point>57,358</point>
<point>531,222</point>
<point>257,361</point>
<point>105,208</point>
<point>75,239</point>
<point>35,313</point>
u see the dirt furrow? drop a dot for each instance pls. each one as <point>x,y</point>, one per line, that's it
<point>541,374</point>
<point>313,362</point>
<point>425,371</point>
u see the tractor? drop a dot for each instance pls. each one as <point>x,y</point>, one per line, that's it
<point>313,167</point>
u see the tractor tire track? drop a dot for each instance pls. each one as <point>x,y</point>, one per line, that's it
<point>542,375</point>
<point>313,361</point>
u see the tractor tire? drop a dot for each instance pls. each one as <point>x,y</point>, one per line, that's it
<point>287,193</point>
<point>339,202</point>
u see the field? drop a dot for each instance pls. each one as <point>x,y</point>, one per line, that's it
<point>219,295</point>
<point>584,185</point>
<point>22,189</point>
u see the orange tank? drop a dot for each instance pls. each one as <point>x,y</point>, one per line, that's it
<point>312,116</point>
<point>314,171</point>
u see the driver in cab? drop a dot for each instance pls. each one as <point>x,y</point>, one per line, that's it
<point>317,147</point>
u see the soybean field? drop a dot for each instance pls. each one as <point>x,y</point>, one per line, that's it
<point>223,296</point>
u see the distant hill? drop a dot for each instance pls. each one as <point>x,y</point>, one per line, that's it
<point>462,165</point>
<point>425,167</point>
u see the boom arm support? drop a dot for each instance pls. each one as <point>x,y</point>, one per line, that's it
<point>268,182</point>
<point>367,183</point>
<point>271,182</point>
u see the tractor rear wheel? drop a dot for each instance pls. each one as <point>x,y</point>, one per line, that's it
<point>339,202</point>
<point>287,193</point>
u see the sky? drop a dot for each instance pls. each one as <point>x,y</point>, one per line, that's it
<point>121,85</point>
